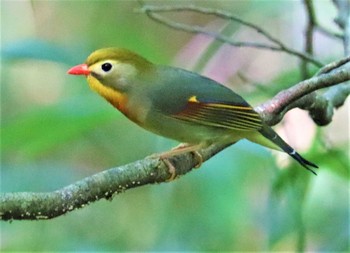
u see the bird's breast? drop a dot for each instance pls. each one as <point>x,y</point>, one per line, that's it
<point>118,99</point>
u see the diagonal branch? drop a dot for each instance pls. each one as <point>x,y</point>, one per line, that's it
<point>106,184</point>
<point>303,95</point>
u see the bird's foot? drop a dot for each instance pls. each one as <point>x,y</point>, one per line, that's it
<point>178,150</point>
<point>185,148</point>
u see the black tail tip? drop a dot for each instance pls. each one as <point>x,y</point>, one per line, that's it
<point>311,170</point>
<point>305,163</point>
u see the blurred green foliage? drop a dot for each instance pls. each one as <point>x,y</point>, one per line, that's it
<point>55,131</point>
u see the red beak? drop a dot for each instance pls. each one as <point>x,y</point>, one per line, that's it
<point>81,69</point>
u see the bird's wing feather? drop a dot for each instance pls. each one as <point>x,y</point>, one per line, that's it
<point>235,117</point>
<point>190,97</point>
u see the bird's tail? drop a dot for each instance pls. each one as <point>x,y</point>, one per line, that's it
<point>273,137</point>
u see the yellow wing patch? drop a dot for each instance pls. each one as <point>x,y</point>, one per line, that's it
<point>193,99</point>
<point>235,117</point>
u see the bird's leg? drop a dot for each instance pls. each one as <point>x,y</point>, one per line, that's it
<point>180,146</point>
<point>180,149</point>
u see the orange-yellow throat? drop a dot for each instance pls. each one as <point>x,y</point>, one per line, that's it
<point>116,98</point>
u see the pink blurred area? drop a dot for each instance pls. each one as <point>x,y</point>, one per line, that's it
<point>262,65</point>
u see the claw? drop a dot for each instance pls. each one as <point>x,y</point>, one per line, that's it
<point>171,168</point>
<point>199,158</point>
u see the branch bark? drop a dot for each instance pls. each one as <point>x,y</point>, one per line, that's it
<point>303,95</point>
<point>106,184</point>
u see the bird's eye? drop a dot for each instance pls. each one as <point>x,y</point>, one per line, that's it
<point>106,67</point>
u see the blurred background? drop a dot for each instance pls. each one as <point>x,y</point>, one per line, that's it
<point>55,131</point>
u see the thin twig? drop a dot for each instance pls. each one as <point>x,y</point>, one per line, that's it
<point>333,65</point>
<point>277,45</point>
<point>217,36</point>
<point>343,21</point>
<point>309,36</point>
<point>329,33</point>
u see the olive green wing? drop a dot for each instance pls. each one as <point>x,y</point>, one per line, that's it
<point>190,97</point>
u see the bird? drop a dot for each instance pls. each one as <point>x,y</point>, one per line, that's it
<point>177,104</point>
